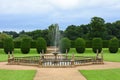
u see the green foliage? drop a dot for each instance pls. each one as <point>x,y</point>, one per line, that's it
<point>97,45</point>
<point>88,43</point>
<point>54,34</point>
<point>8,45</point>
<point>25,45</point>
<point>113,45</point>
<point>33,44</point>
<point>65,44</point>
<point>72,44</point>
<point>105,43</point>
<point>1,44</point>
<point>17,44</point>
<point>41,45</point>
<point>3,36</point>
<point>80,45</point>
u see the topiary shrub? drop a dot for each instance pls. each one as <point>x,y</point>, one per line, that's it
<point>65,44</point>
<point>97,45</point>
<point>8,45</point>
<point>41,45</point>
<point>25,45</point>
<point>113,45</point>
<point>80,45</point>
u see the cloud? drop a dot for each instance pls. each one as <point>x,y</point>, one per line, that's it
<point>64,12</point>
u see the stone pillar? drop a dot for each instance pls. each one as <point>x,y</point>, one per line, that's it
<point>8,57</point>
<point>72,60</point>
<point>66,54</point>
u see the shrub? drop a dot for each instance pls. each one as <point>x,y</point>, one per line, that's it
<point>72,44</point>
<point>33,44</point>
<point>17,44</point>
<point>41,45</point>
<point>25,45</point>
<point>8,45</point>
<point>97,45</point>
<point>105,43</point>
<point>113,45</point>
<point>80,45</point>
<point>1,44</point>
<point>65,44</point>
<point>88,43</point>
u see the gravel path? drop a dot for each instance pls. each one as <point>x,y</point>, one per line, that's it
<point>60,73</point>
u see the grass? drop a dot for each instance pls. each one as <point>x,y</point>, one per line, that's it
<point>106,74</point>
<point>107,56</point>
<point>17,74</point>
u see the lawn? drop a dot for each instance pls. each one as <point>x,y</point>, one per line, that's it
<point>107,56</point>
<point>17,74</point>
<point>106,74</point>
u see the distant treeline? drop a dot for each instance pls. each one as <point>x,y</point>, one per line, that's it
<point>97,27</point>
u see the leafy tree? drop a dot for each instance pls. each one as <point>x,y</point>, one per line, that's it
<point>54,34</point>
<point>97,27</point>
<point>8,45</point>
<point>3,36</point>
<point>11,33</point>
<point>97,45</point>
<point>25,45</point>
<point>71,32</point>
<point>80,45</point>
<point>41,45</point>
<point>65,44</point>
<point>113,45</point>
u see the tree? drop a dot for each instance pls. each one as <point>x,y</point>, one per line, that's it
<point>54,34</point>
<point>71,32</point>
<point>97,27</point>
<point>8,45</point>
<point>41,45</point>
<point>80,45</point>
<point>97,45</point>
<point>65,44</point>
<point>3,36</point>
<point>113,45</point>
<point>25,45</point>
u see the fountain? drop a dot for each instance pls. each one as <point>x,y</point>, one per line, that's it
<point>56,59</point>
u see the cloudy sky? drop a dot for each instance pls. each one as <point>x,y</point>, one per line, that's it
<point>28,15</point>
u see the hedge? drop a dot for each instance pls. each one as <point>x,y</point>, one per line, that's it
<point>97,45</point>
<point>41,45</point>
<point>65,44</point>
<point>113,45</point>
<point>25,45</point>
<point>80,45</point>
<point>8,45</point>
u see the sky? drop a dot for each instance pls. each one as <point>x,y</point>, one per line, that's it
<point>29,15</point>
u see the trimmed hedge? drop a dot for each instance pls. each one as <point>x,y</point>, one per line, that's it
<point>65,44</point>
<point>113,45</point>
<point>33,44</point>
<point>88,43</point>
<point>17,44</point>
<point>8,45</point>
<point>1,44</point>
<point>72,44</point>
<point>41,45</point>
<point>25,45</point>
<point>80,45</point>
<point>97,45</point>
